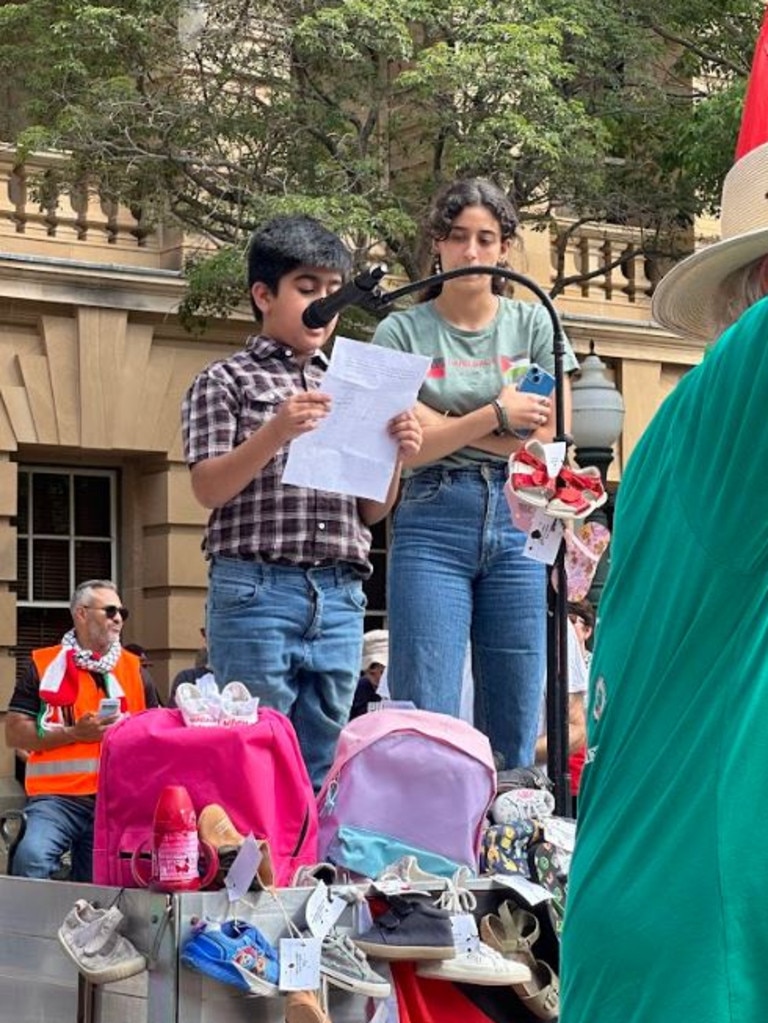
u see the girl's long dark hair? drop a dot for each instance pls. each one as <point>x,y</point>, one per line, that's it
<point>449,203</point>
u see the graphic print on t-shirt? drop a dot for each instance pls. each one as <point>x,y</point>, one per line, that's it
<point>511,369</point>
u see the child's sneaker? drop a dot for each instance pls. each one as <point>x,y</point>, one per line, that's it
<point>90,938</point>
<point>407,871</point>
<point>409,930</point>
<point>215,828</point>
<point>196,709</point>
<point>238,707</point>
<point>522,805</point>
<point>345,966</point>
<point>235,953</point>
<point>483,965</point>
<point>85,926</point>
<point>308,876</point>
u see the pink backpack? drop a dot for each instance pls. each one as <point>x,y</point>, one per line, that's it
<point>406,782</point>
<point>256,772</point>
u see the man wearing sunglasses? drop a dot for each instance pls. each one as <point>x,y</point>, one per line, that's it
<point>60,710</point>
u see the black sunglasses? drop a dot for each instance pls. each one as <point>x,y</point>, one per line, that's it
<point>111,610</point>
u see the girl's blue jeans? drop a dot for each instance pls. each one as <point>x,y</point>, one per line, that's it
<point>457,573</point>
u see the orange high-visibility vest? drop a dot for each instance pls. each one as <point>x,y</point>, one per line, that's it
<point>73,770</point>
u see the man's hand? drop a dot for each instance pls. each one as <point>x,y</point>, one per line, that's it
<point>301,413</point>
<point>91,727</point>
<point>406,430</point>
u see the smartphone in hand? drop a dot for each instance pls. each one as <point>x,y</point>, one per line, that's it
<point>535,381</point>
<point>108,707</point>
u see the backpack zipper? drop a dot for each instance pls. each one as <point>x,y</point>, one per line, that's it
<point>302,833</point>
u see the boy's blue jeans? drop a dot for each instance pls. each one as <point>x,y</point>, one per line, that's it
<point>294,636</point>
<point>457,572</point>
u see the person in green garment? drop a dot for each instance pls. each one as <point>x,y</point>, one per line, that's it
<point>665,919</point>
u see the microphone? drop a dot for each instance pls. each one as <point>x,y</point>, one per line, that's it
<point>361,290</point>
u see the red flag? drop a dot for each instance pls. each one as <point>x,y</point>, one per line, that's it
<point>754,120</point>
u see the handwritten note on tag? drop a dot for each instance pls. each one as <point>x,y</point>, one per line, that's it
<point>323,911</point>
<point>544,538</point>
<point>243,869</point>
<point>465,936</point>
<point>300,964</point>
<point>554,456</point>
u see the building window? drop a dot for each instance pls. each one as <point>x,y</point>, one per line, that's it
<point>66,532</point>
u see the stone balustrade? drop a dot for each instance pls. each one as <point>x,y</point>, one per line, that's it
<point>39,216</point>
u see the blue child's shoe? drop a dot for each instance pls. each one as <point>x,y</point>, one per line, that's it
<point>235,953</point>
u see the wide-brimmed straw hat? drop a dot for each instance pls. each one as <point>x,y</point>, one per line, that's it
<point>686,299</point>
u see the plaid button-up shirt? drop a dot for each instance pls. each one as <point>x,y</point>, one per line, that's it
<point>267,521</point>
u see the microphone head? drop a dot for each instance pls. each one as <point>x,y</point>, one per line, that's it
<point>313,317</point>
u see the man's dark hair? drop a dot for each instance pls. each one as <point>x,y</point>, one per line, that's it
<point>287,242</point>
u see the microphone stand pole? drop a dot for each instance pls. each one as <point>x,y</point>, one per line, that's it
<point>557,596</point>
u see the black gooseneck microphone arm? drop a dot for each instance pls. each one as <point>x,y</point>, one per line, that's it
<point>557,696</point>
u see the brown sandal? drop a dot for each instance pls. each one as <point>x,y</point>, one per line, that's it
<point>514,932</point>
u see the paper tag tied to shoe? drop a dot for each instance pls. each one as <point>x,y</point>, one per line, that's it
<point>300,964</point>
<point>323,910</point>
<point>243,870</point>
<point>545,535</point>
<point>531,893</point>
<point>465,936</point>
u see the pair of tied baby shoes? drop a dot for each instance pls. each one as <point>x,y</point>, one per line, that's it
<point>202,705</point>
<point>573,493</point>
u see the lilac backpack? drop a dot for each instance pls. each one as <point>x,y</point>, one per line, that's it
<point>256,772</point>
<point>406,782</point>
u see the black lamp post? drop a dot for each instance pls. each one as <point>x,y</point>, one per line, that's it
<point>596,424</point>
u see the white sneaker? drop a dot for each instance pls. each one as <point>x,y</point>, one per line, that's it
<point>407,871</point>
<point>196,709</point>
<point>482,966</point>
<point>238,707</point>
<point>90,938</point>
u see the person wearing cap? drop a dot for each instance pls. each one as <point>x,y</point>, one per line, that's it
<point>373,665</point>
<point>664,919</point>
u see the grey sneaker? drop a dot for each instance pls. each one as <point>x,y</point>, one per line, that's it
<point>345,966</point>
<point>409,930</point>
<point>86,927</point>
<point>90,938</point>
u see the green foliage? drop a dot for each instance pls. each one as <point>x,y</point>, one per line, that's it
<point>214,116</point>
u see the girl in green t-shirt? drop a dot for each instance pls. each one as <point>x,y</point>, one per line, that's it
<point>457,571</point>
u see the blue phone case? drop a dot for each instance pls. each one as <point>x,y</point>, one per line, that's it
<point>535,381</point>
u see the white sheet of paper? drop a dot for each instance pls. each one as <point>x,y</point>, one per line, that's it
<point>351,451</point>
